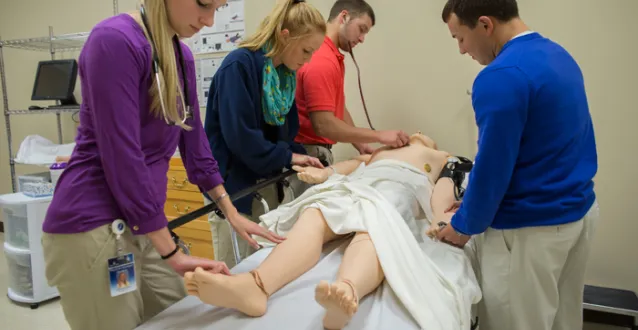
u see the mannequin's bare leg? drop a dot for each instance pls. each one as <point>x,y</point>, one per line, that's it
<point>359,274</point>
<point>248,292</point>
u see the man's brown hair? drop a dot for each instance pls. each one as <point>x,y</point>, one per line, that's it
<point>355,8</point>
<point>469,11</point>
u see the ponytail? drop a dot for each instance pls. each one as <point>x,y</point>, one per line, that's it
<point>298,17</point>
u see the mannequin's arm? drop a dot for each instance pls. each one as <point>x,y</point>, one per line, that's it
<point>443,199</point>
<point>443,203</point>
<point>315,175</point>
<point>348,166</point>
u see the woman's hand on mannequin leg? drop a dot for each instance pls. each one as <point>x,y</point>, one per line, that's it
<point>246,228</point>
<point>181,263</point>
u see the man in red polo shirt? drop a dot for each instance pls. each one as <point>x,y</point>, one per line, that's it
<point>323,117</point>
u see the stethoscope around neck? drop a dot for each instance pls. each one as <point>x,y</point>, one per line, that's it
<point>360,89</point>
<point>188,113</point>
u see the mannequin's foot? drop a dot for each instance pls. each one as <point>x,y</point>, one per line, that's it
<point>340,301</point>
<point>238,292</point>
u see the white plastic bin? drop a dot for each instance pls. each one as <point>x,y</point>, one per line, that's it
<point>33,177</point>
<point>16,225</point>
<point>19,266</point>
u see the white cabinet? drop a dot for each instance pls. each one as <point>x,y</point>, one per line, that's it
<point>23,217</point>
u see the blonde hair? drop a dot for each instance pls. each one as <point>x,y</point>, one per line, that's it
<point>162,43</point>
<point>300,18</point>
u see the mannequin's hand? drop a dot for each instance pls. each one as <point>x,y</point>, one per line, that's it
<point>312,175</point>
<point>246,228</point>
<point>305,160</point>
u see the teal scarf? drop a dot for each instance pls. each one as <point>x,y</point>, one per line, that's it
<point>278,92</point>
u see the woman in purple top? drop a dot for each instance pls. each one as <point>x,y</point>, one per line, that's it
<point>129,129</point>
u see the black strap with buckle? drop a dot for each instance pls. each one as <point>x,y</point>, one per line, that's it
<point>455,169</point>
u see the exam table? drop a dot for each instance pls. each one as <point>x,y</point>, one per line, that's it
<point>293,307</point>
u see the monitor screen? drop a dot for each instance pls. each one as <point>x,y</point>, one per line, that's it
<point>55,80</point>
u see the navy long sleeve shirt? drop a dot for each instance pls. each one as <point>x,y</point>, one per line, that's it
<point>246,148</point>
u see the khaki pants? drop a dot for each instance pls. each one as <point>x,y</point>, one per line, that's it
<point>323,154</point>
<point>77,265</point>
<point>533,278</point>
<point>221,229</point>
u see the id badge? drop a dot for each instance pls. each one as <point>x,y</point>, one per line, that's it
<point>122,275</point>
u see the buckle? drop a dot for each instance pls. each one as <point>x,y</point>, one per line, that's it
<point>175,237</point>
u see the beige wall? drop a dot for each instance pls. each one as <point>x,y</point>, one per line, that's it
<point>414,79</point>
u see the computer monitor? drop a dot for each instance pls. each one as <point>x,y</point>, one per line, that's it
<point>55,80</point>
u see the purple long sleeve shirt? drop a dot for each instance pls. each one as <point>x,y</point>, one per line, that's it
<point>118,167</point>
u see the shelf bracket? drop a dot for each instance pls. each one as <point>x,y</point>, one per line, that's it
<point>7,119</point>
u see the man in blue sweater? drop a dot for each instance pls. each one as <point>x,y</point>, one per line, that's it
<point>531,191</point>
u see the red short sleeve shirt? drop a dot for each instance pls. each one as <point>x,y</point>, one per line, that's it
<point>320,88</point>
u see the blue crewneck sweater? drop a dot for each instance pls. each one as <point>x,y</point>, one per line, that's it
<point>536,150</point>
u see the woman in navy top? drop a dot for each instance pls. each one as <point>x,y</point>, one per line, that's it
<point>251,117</point>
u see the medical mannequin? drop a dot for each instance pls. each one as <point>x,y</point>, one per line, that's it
<point>360,272</point>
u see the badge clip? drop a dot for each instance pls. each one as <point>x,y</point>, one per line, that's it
<point>118,226</point>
